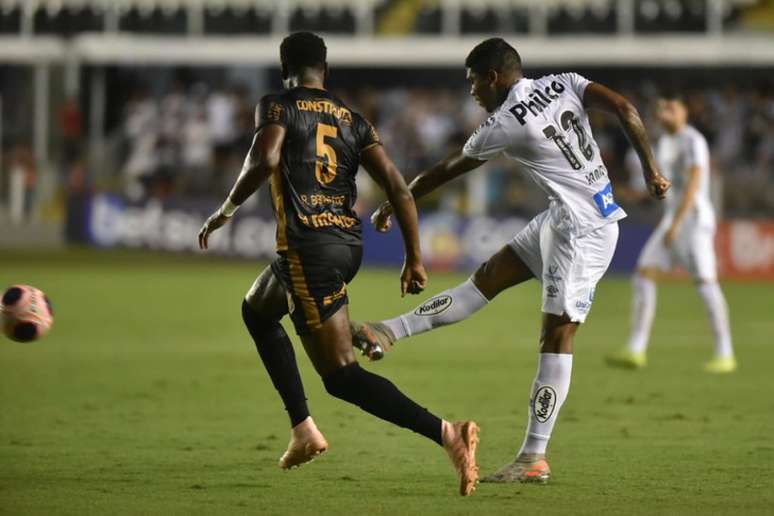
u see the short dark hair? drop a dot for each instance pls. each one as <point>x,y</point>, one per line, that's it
<point>493,54</point>
<point>303,50</point>
<point>672,92</point>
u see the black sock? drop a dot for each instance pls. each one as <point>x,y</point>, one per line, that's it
<point>279,359</point>
<point>378,396</point>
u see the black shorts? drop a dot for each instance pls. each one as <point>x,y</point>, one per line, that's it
<point>315,279</point>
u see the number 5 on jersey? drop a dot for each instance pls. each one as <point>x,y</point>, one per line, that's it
<point>325,172</point>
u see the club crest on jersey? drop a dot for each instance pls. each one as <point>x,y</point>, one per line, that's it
<point>605,201</point>
<point>552,275</point>
<point>435,306</point>
<point>544,403</point>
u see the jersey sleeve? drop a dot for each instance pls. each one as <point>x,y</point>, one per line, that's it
<point>575,81</point>
<point>696,152</point>
<point>488,141</point>
<point>367,136</point>
<point>271,109</point>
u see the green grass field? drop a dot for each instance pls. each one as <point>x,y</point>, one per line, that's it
<point>149,398</point>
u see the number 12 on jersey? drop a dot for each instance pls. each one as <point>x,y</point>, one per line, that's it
<point>569,120</point>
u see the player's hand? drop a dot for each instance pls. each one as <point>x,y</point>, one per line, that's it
<point>382,217</point>
<point>658,185</point>
<point>215,221</point>
<point>669,237</point>
<point>413,279</point>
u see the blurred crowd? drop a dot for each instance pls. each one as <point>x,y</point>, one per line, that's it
<point>188,141</point>
<point>191,141</point>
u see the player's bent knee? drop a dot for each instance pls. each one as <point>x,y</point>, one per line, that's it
<point>340,382</point>
<point>487,280</point>
<point>255,322</point>
<point>480,280</point>
<point>503,270</point>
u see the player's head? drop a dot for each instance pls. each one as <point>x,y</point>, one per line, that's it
<point>671,110</point>
<point>302,55</point>
<point>492,67</point>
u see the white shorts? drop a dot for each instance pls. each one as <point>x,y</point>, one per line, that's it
<point>568,267</point>
<point>693,249</point>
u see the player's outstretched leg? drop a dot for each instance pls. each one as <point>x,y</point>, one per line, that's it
<point>263,307</point>
<point>505,269</point>
<point>717,309</point>
<point>643,310</point>
<point>330,351</point>
<point>549,390</point>
<point>448,307</point>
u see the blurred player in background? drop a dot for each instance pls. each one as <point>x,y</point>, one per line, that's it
<point>684,237</point>
<point>311,145</point>
<point>543,126</point>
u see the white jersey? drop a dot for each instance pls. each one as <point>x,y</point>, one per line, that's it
<point>676,154</point>
<point>543,126</point>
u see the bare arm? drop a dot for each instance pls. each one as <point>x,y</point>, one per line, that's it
<point>601,97</point>
<point>261,160</point>
<point>687,202</point>
<point>385,173</point>
<point>442,172</point>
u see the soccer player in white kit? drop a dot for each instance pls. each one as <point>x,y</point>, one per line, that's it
<point>684,237</point>
<point>542,125</point>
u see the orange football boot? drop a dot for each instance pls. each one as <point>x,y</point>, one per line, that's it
<point>306,443</point>
<point>460,440</point>
<point>527,468</point>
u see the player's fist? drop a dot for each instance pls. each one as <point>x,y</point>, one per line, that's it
<point>658,185</point>
<point>382,217</point>
<point>413,278</point>
<point>215,221</point>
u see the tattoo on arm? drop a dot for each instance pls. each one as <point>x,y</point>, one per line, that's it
<point>638,137</point>
<point>602,97</point>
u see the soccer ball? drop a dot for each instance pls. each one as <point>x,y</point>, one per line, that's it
<point>26,313</point>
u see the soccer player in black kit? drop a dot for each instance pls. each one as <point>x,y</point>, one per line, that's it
<point>310,145</point>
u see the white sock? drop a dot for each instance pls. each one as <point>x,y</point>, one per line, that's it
<point>643,310</point>
<point>717,308</point>
<point>549,391</point>
<point>448,307</point>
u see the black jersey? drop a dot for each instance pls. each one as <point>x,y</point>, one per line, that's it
<point>313,191</point>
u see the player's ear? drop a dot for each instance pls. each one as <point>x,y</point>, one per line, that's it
<point>492,76</point>
<point>285,74</point>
